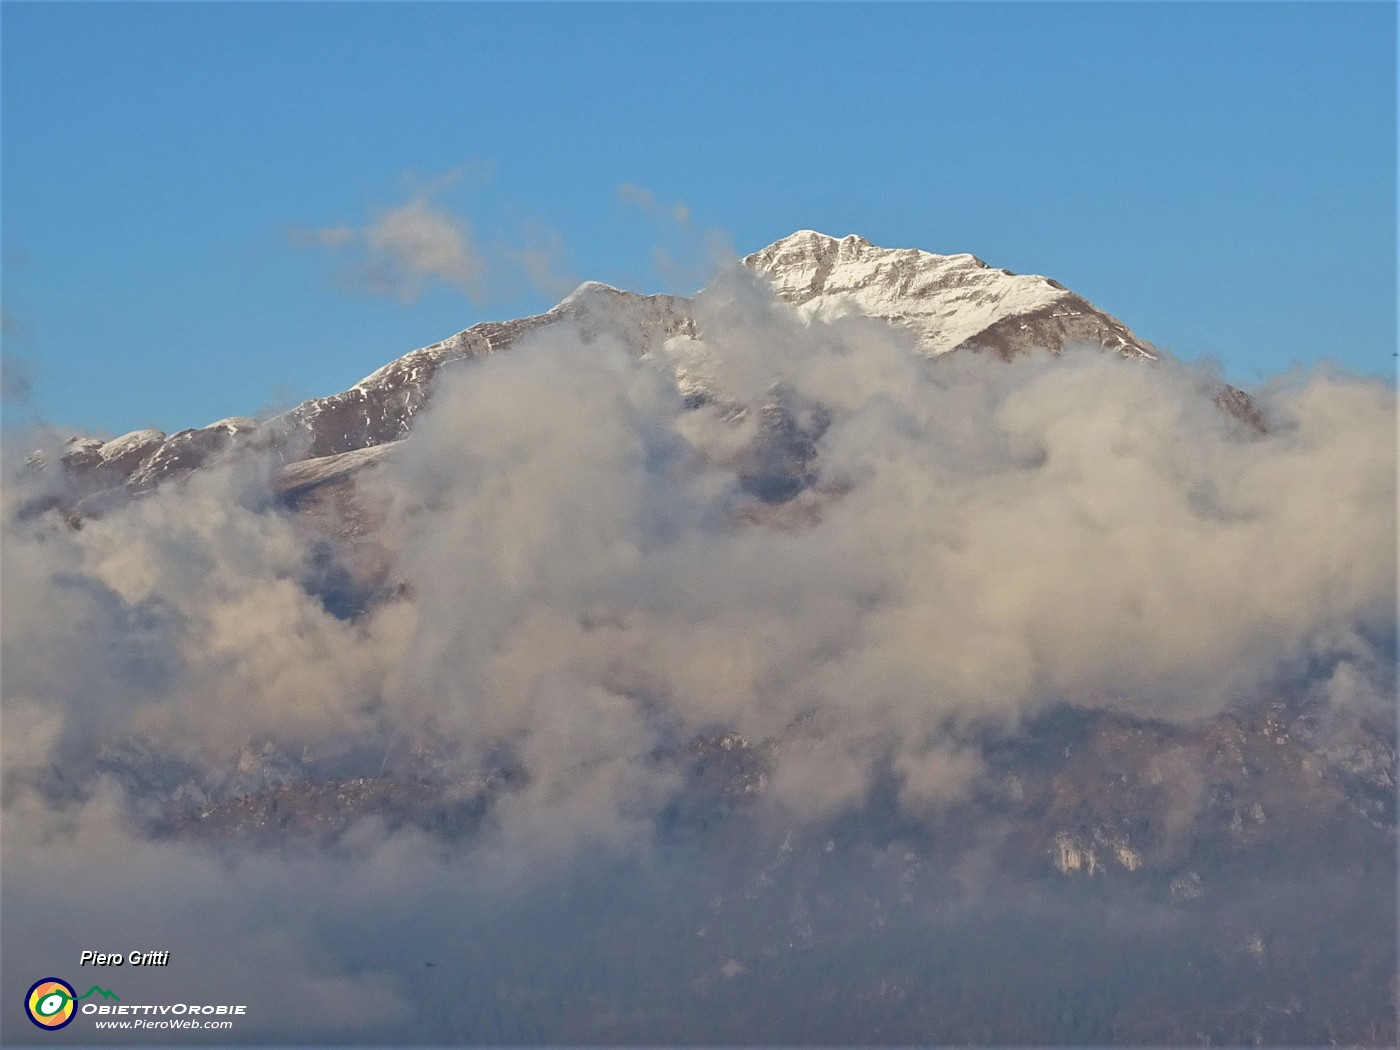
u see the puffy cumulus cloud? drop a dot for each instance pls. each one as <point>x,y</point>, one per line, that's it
<point>590,578</point>
<point>182,619</point>
<point>865,558</point>
<point>977,540</point>
<point>77,879</point>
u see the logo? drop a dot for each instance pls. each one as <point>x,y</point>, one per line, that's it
<point>51,1003</point>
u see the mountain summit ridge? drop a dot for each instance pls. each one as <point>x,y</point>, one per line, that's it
<point>951,302</point>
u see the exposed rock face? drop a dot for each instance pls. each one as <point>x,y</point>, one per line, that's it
<point>314,438</point>
<point>1084,793</point>
<point>321,811</point>
<point>952,302</point>
<point>380,408</point>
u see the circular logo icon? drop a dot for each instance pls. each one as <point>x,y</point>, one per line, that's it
<point>49,1003</point>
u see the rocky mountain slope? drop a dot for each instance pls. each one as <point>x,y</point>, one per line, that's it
<point>952,303</point>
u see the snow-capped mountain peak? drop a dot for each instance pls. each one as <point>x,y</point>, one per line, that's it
<point>952,301</point>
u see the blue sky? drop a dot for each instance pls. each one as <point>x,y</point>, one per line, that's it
<point>192,192</point>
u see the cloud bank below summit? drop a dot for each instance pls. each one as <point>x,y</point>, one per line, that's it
<point>584,581</point>
<point>979,539</point>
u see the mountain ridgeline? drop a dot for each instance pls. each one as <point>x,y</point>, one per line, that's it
<point>950,302</point>
<point>876,647</point>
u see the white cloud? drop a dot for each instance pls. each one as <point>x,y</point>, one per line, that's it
<point>403,249</point>
<point>585,581</point>
<point>406,249</point>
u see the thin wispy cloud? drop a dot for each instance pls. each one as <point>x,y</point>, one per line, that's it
<point>543,259</point>
<point>16,373</point>
<point>16,379</point>
<point>405,250</point>
<point>684,252</point>
<point>647,202</point>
